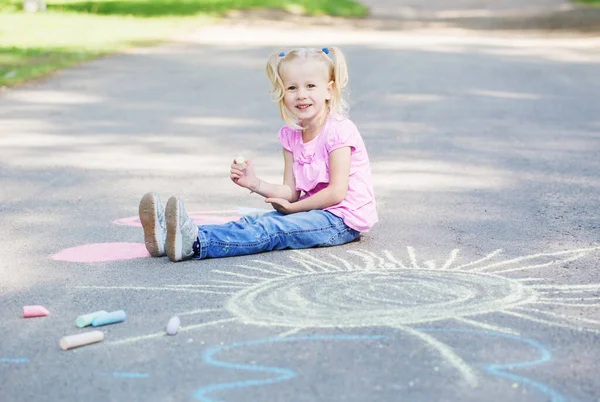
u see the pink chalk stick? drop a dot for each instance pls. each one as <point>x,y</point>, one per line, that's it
<point>34,311</point>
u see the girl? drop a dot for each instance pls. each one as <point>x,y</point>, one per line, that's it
<point>326,198</point>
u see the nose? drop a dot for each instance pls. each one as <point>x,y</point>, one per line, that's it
<point>301,93</point>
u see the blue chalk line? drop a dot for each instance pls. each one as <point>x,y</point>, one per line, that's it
<point>130,375</point>
<point>14,360</point>
<point>283,374</point>
<point>498,369</point>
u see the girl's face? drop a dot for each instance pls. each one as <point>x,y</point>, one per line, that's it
<point>307,90</point>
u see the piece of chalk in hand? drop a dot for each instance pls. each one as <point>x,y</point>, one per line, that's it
<point>240,160</point>
<point>108,318</point>
<point>86,319</point>
<point>34,311</point>
<point>73,341</point>
<point>173,325</point>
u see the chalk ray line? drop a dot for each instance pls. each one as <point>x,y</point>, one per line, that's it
<point>282,374</point>
<point>194,312</point>
<point>205,324</point>
<point>391,257</point>
<point>381,260</point>
<point>346,263</point>
<point>153,288</point>
<point>266,271</point>
<point>259,278</point>
<point>578,256</point>
<point>451,259</point>
<point>583,251</point>
<point>164,334</point>
<point>568,288</point>
<point>487,257</point>
<point>546,264</point>
<point>554,303</point>
<point>232,282</point>
<point>500,370</point>
<point>550,313</point>
<point>307,268</point>
<point>368,260</point>
<point>308,262</point>
<point>583,298</point>
<point>550,323</point>
<point>446,352</point>
<point>316,259</point>
<point>413,257</point>
<point>486,326</point>
<point>287,270</point>
<point>206,286</point>
<point>528,279</point>
<point>290,332</point>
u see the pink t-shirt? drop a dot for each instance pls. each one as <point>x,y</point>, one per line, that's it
<point>311,169</point>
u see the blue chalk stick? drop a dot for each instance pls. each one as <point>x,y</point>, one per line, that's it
<point>108,318</point>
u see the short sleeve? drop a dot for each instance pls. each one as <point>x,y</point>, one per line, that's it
<point>344,134</point>
<point>286,138</point>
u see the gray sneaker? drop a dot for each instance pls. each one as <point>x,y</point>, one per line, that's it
<point>152,216</point>
<point>181,231</point>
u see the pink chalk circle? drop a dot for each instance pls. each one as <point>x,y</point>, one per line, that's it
<point>34,311</point>
<point>102,252</point>
<point>199,218</point>
<point>130,221</point>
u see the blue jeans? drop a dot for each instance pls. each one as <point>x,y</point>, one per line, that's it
<point>273,231</point>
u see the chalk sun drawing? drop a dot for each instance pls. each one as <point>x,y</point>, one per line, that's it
<point>383,290</point>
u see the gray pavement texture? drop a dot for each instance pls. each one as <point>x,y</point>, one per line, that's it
<point>480,282</point>
<point>488,14</point>
<point>478,15</point>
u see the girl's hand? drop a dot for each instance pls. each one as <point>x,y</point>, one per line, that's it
<point>281,205</point>
<point>244,177</point>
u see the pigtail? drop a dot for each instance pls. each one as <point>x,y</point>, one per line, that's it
<point>338,104</point>
<point>340,68</point>
<point>272,70</point>
<point>277,87</point>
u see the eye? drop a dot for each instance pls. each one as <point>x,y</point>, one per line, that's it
<point>311,86</point>
<point>291,88</point>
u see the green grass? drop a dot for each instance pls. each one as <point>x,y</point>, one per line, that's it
<point>70,32</point>
<point>589,2</point>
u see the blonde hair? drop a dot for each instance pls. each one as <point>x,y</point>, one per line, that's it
<point>336,68</point>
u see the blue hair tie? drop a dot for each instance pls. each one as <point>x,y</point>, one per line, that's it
<point>325,50</point>
<point>281,54</point>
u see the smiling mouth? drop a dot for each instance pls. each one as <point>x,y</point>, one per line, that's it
<point>303,107</point>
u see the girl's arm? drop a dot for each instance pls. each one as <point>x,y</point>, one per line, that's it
<point>334,193</point>
<point>287,191</point>
<point>246,178</point>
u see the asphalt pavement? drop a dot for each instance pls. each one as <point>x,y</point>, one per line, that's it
<point>480,282</point>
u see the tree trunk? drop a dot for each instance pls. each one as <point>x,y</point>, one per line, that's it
<point>33,6</point>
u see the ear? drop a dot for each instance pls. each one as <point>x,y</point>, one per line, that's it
<point>330,89</point>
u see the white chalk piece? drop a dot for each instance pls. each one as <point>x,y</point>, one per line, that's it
<point>173,325</point>
<point>86,319</point>
<point>87,338</point>
<point>240,160</point>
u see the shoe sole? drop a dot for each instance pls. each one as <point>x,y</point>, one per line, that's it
<point>173,243</point>
<point>150,224</point>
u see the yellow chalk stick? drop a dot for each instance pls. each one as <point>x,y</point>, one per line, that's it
<point>73,341</point>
